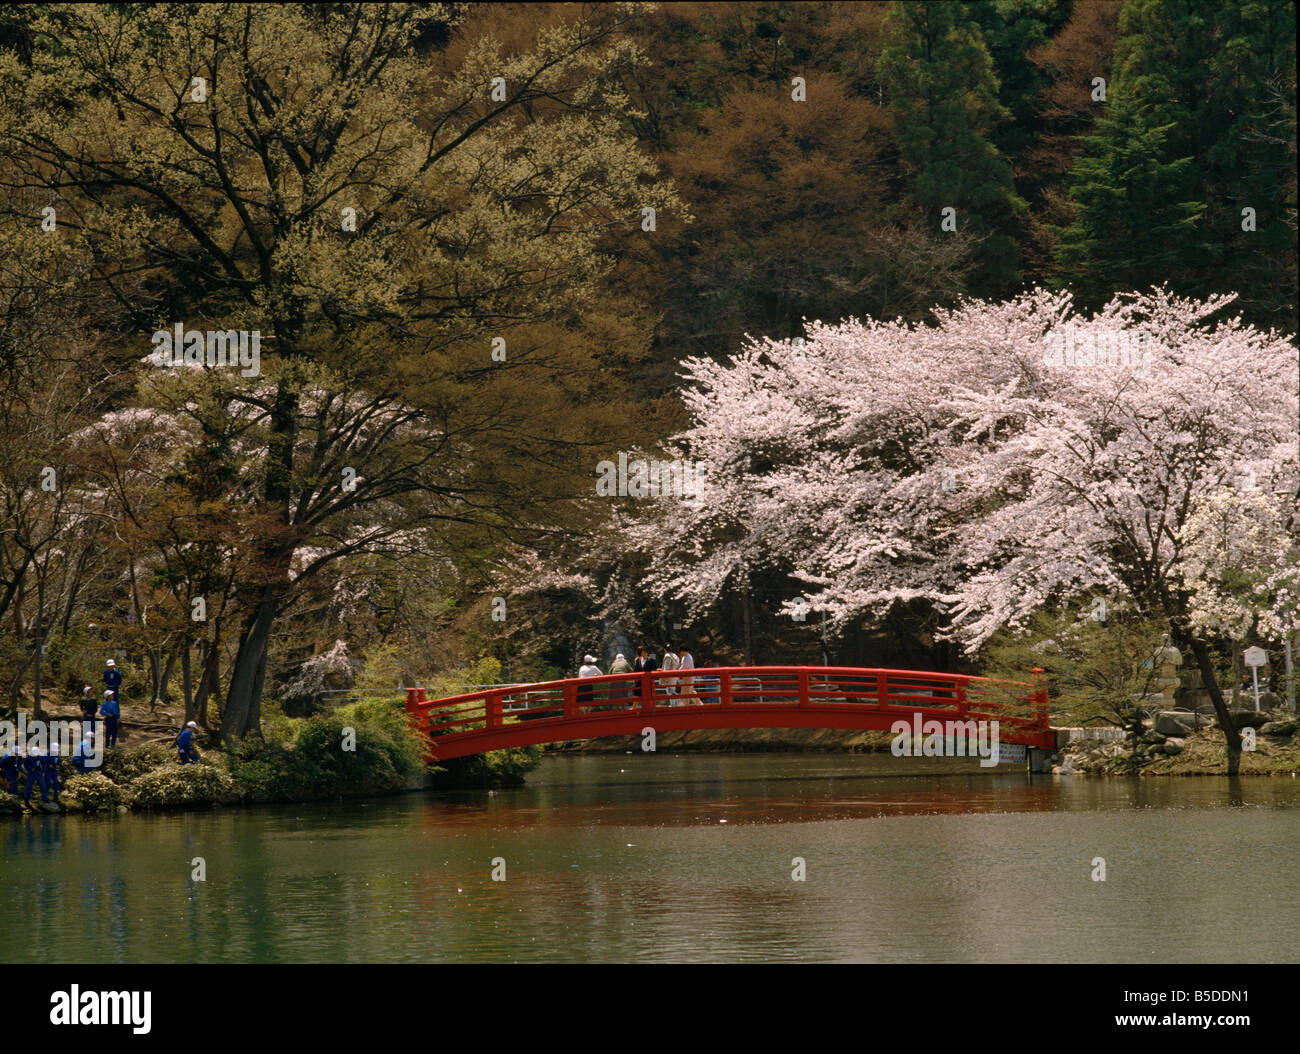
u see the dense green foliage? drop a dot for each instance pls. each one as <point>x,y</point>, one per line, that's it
<point>176,786</point>
<point>495,768</point>
<point>93,792</point>
<point>384,756</point>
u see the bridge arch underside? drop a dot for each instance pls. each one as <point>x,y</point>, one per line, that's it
<point>694,718</point>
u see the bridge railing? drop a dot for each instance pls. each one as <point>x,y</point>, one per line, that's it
<point>1015,704</point>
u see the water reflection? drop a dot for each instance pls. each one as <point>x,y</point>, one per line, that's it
<point>679,858</point>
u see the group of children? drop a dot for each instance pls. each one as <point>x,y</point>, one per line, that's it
<point>39,770</point>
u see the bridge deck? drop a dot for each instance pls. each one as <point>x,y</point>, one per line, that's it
<point>848,698</point>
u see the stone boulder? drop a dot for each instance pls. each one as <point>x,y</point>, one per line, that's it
<point>1277,728</point>
<point>1173,723</point>
<point>1173,746</point>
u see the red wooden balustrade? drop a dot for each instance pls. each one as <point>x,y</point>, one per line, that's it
<point>726,697</point>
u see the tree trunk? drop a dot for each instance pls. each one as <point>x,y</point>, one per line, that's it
<point>167,672</point>
<point>243,704</point>
<point>186,689</point>
<point>1236,674</point>
<point>155,675</point>
<point>209,679</point>
<point>243,713</point>
<point>747,623</point>
<point>1191,642</point>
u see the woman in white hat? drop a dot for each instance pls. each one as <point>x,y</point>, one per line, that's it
<point>587,669</point>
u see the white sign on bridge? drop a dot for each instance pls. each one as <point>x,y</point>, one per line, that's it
<point>1011,753</point>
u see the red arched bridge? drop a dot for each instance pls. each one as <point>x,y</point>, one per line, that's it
<point>731,697</point>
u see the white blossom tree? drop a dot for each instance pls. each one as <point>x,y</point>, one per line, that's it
<point>1008,456</point>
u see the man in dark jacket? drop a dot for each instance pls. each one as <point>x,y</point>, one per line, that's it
<point>645,662</point>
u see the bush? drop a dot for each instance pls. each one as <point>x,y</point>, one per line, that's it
<point>176,786</point>
<point>262,769</point>
<point>10,803</point>
<point>123,766</point>
<point>92,792</point>
<point>495,768</point>
<point>385,755</point>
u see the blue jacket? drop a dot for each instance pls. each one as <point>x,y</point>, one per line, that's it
<point>9,766</point>
<point>112,678</point>
<point>185,741</point>
<point>110,708</point>
<point>83,758</point>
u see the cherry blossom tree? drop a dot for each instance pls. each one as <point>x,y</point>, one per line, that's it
<point>1006,457</point>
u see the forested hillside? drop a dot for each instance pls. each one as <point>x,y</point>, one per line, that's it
<point>459,256</point>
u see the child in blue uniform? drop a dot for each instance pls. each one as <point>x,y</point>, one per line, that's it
<point>83,757</point>
<point>185,744</point>
<point>10,766</point>
<point>52,769</point>
<point>34,770</point>
<point>111,713</point>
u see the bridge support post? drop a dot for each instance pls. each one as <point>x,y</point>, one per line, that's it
<point>1040,761</point>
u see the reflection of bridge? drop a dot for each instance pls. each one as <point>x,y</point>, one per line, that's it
<point>732,697</point>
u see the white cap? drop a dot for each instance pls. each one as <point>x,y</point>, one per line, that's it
<point>589,659</point>
<point>190,724</point>
<point>88,688</point>
<point>111,662</point>
<point>619,657</point>
<point>108,693</point>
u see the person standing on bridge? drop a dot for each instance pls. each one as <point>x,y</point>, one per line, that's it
<point>687,662</point>
<point>644,662</point>
<point>587,669</point>
<point>621,665</point>
<point>672,661</point>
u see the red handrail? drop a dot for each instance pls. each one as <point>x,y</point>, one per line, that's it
<point>725,697</point>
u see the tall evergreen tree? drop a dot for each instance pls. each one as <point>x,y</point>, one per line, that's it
<point>944,97</point>
<point>1135,219</point>
<point>1203,102</point>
